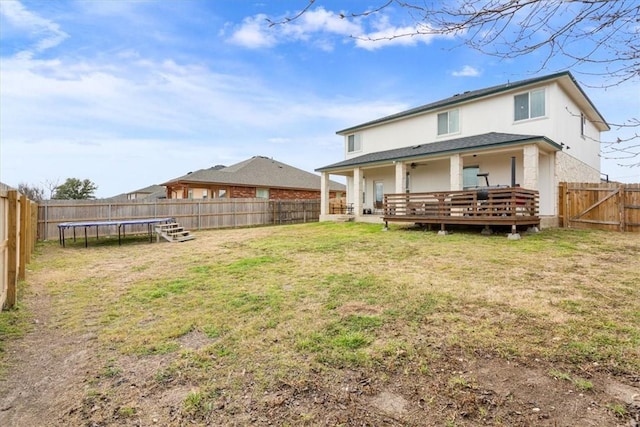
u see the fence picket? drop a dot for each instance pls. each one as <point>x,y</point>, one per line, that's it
<point>195,214</point>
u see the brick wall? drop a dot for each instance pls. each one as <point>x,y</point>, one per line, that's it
<point>242,192</point>
<point>278,193</point>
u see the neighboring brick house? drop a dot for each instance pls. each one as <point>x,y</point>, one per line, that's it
<point>257,177</point>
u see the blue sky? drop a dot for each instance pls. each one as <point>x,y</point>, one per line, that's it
<point>133,93</point>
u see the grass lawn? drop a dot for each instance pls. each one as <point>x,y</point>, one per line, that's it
<point>245,323</point>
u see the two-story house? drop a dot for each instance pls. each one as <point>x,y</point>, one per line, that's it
<point>537,132</point>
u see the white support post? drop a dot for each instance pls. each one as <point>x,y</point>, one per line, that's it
<point>401,177</point>
<point>456,167</point>
<point>357,192</point>
<point>324,193</point>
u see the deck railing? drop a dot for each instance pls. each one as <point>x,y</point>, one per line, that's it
<point>487,206</point>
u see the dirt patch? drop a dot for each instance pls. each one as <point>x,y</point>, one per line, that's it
<point>53,373</point>
<point>359,308</point>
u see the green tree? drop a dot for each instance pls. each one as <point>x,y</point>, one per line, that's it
<point>32,192</point>
<point>73,188</point>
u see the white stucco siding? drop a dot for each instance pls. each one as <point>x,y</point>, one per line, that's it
<point>547,188</point>
<point>565,115</point>
<point>403,133</point>
<point>432,176</point>
<point>561,124</point>
<point>492,114</point>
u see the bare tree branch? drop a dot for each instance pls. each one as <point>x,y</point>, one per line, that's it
<point>603,33</point>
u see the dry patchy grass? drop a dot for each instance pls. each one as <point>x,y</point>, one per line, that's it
<point>239,322</point>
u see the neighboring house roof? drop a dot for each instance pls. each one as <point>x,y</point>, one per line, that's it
<point>151,192</point>
<point>257,171</point>
<point>487,140</point>
<point>565,78</point>
<point>148,190</point>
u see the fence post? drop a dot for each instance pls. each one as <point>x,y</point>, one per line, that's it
<point>12,248</point>
<point>199,214</point>
<point>46,221</point>
<point>22,235</point>
<point>564,190</point>
<point>621,211</point>
<point>35,209</point>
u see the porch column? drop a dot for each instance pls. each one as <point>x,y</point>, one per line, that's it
<point>530,167</point>
<point>357,191</point>
<point>401,177</point>
<point>324,193</point>
<point>455,173</point>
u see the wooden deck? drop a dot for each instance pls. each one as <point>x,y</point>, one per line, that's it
<point>497,206</point>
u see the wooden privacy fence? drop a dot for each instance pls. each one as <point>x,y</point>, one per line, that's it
<point>18,221</point>
<point>191,214</point>
<point>604,206</point>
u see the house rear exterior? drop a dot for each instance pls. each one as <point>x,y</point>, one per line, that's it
<point>546,127</point>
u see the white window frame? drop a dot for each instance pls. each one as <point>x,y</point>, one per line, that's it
<point>529,105</point>
<point>262,193</point>
<point>452,119</point>
<point>354,143</point>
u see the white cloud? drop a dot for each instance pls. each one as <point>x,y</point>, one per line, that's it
<point>466,71</point>
<point>101,121</point>
<point>254,33</point>
<point>47,33</point>
<point>257,32</point>
<point>319,25</point>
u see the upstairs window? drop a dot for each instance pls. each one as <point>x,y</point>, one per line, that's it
<point>529,105</point>
<point>354,143</point>
<point>448,122</point>
<point>583,123</point>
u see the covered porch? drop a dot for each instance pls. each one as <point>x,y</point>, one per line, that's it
<point>379,183</point>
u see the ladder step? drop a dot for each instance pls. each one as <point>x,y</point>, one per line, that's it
<point>173,232</point>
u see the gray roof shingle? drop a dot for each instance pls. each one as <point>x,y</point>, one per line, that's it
<point>486,140</point>
<point>258,171</point>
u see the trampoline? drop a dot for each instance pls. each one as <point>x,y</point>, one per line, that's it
<point>120,225</point>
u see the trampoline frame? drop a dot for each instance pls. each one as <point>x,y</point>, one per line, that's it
<point>119,223</point>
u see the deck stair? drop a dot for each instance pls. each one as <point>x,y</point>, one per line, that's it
<point>173,232</point>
